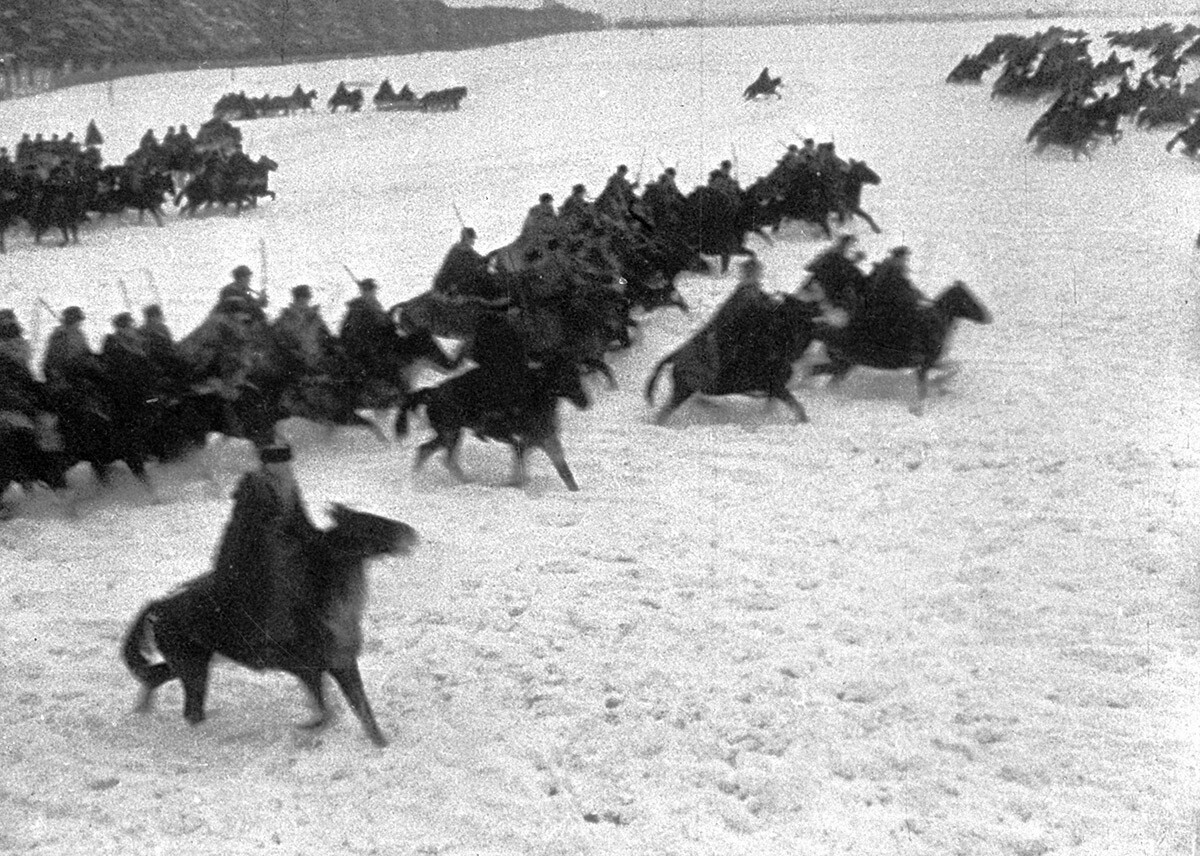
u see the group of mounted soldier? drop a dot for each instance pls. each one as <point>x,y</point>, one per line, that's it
<point>146,395</point>
<point>1083,113</point>
<point>58,183</point>
<point>238,106</point>
<point>562,294</point>
<point>386,98</point>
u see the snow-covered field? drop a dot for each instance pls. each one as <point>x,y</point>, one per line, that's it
<point>973,632</point>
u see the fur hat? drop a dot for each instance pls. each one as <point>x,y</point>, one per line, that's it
<point>301,291</point>
<point>546,197</point>
<point>72,314</point>
<point>152,310</point>
<point>467,232</point>
<point>122,321</point>
<point>275,454</point>
<point>368,284</point>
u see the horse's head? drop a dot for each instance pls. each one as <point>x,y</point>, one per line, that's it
<point>959,302</point>
<point>863,173</point>
<point>368,535</point>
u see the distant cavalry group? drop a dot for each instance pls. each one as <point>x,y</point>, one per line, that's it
<point>238,106</point>
<point>58,184</point>
<point>1091,98</point>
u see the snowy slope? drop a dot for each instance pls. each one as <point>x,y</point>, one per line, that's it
<point>973,632</point>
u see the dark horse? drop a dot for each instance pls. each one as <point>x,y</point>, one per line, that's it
<point>763,85</point>
<point>849,200</point>
<point>351,99</point>
<point>919,346</point>
<point>203,618</point>
<point>756,360</point>
<point>524,419</point>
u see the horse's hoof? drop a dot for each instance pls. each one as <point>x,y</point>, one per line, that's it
<point>315,724</point>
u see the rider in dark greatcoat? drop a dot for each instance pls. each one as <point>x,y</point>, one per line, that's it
<point>891,301</point>
<point>837,273</point>
<point>66,348</point>
<point>464,270</point>
<point>368,334</point>
<point>238,296</point>
<point>261,548</point>
<point>617,196</point>
<point>301,332</point>
<point>736,334</point>
<point>541,227</point>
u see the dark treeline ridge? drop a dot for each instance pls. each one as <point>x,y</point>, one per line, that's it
<point>116,32</point>
<point>750,19</point>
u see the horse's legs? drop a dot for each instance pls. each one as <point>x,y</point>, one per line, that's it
<point>519,474</point>
<point>836,370</point>
<point>160,673</point>
<point>450,461</point>
<point>193,672</point>
<point>918,408</point>
<point>679,394</point>
<point>137,466</point>
<point>425,450</point>
<point>311,678</point>
<point>791,401</point>
<point>554,450</point>
<point>870,220</point>
<point>349,679</point>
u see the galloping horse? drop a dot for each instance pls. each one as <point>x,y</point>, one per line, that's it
<point>921,348</point>
<point>763,85</point>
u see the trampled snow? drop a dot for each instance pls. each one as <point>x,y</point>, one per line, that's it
<point>972,632</point>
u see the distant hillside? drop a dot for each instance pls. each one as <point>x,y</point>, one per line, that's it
<point>103,32</point>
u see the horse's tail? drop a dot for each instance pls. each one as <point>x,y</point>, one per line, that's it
<point>653,380</point>
<point>139,641</point>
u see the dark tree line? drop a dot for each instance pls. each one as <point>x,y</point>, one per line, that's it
<point>50,32</point>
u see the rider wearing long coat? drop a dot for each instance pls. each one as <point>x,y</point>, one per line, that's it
<point>66,348</point>
<point>368,334</point>
<point>301,332</point>
<point>464,270</point>
<point>260,557</point>
<point>890,301</point>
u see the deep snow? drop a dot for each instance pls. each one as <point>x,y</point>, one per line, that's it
<point>973,632</point>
